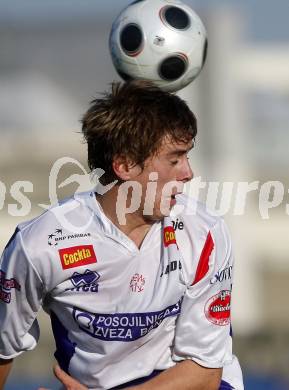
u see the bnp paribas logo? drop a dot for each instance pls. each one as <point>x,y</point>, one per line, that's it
<point>54,237</point>
<point>58,236</point>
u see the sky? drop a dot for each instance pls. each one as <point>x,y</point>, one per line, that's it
<point>267,19</point>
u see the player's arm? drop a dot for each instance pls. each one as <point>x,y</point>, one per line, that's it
<point>5,367</point>
<point>186,375</point>
<point>68,382</point>
<point>203,327</point>
<point>20,300</point>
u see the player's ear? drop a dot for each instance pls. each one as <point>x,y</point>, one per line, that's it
<point>125,168</point>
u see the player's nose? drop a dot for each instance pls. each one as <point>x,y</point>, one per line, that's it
<point>187,173</point>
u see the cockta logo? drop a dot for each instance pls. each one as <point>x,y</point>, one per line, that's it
<point>77,256</point>
<point>169,236</point>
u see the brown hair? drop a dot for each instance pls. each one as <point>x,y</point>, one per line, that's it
<point>132,121</point>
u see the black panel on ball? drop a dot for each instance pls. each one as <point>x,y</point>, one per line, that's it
<point>205,52</point>
<point>131,39</point>
<point>177,18</point>
<point>172,68</point>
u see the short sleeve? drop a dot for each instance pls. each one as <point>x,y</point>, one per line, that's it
<point>203,327</point>
<point>21,291</point>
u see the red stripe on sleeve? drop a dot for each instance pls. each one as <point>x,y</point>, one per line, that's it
<point>203,266</point>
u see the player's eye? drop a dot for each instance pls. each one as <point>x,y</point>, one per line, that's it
<point>174,162</point>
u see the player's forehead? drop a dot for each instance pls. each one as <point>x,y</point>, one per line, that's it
<point>170,146</point>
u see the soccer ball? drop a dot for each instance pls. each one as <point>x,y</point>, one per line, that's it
<point>163,41</point>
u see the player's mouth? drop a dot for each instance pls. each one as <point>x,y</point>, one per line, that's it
<point>173,199</point>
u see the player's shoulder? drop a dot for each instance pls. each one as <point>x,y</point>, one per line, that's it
<point>199,233</point>
<point>197,224</point>
<point>70,213</point>
<point>195,214</point>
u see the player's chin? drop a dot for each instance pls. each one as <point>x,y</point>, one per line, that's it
<point>158,215</point>
<point>166,206</point>
<point>162,209</point>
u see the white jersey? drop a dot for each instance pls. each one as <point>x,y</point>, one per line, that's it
<point>120,312</point>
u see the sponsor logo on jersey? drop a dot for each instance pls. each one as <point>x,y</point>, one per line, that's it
<point>6,285</point>
<point>137,283</point>
<point>122,326</point>
<point>172,266</point>
<point>222,275</point>
<point>58,236</point>
<point>218,308</point>
<point>169,236</point>
<point>178,225</point>
<point>77,256</point>
<point>84,282</point>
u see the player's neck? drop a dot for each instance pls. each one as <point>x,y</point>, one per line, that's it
<point>132,225</point>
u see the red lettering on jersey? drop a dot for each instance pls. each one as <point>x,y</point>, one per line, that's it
<point>203,265</point>
<point>218,308</point>
<point>169,236</point>
<point>77,256</point>
<point>137,283</point>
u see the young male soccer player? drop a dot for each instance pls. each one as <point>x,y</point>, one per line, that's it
<point>137,299</point>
